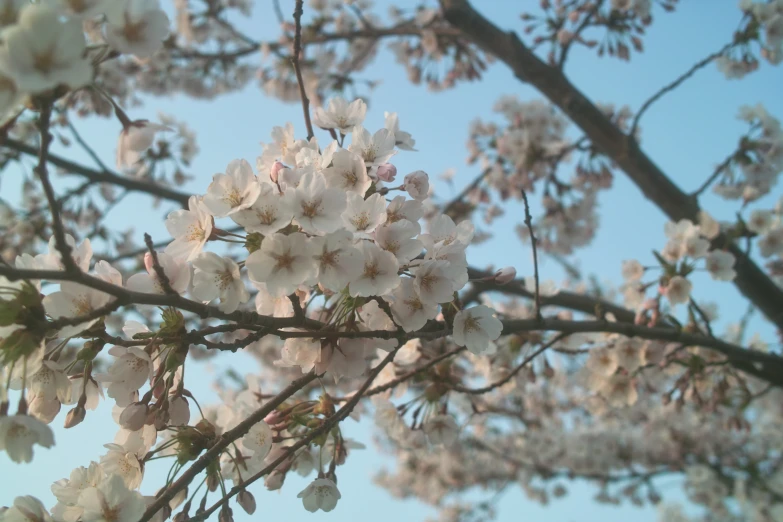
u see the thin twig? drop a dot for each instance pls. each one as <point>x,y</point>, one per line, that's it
<point>479,391</point>
<point>676,83</point>
<point>587,19</point>
<point>295,60</point>
<point>718,171</point>
<point>327,425</point>
<point>221,444</point>
<point>529,224</point>
<point>163,279</point>
<point>467,190</point>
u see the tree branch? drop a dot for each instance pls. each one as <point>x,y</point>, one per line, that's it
<point>611,141</point>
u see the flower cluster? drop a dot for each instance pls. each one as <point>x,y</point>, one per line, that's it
<point>44,46</point>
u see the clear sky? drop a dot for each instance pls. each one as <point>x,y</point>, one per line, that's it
<point>687,133</point>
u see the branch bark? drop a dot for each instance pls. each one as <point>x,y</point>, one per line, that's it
<point>611,141</point>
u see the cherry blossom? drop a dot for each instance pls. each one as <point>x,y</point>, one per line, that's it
<point>678,290</point>
<point>338,261</point>
<point>340,115</point>
<point>190,228</point>
<point>417,185</point>
<point>233,191</point>
<point>720,265</point>
<point>282,262</point>
<point>216,277</point>
<point>347,172</point>
<point>375,149</point>
<point>19,433</point>
<point>379,274</point>
<point>129,371</point>
<point>475,329</point>
<point>409,310</point>
<point>43,50</point>
<point>267,214</point>
<point>363,216</point>
<point>139,28</point>
<point>432,282</point>
<point>399,238</point>
<point>258,440</point>
<point>315,207</point>
<point>320,494</point>
<point>403,139</point>
<point>268,304</point>
<point>26,509</point>
<point>111,501</point>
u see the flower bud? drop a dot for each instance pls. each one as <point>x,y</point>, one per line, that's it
<point>75,416</point>
<point>134,416</point>
<point>148,262</point>
<point>274,172</point>
<point>226,514</point>
<point>386,172</point>
<point>247,501</point>
<point>505,275</point>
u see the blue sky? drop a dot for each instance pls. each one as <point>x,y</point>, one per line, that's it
<point>686,133</point>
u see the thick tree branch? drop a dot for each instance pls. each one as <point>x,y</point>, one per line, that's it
<point>611,141</point>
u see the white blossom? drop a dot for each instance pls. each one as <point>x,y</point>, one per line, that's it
<point>475,328</point>
<point>268,304</point>
<point>233,191</point>
<point>399,238</point>
<point>19,433</point>
<point>408,309</point>
<point>120,462</point>
<point>363,216</point>
<point>44,50</point>
<point>282,262</point>
<point>338,261</point>
<point>417,185</point>
<point>216,277</point>
<point>403,140</point>
<point>129,371</point>
<point>267,214</point>
<point>379,274</point>
<point>375,149</point>
<point>348,172</point>
<point>26,509</point>
<point>139,28</point>
<point>315,207</point>
<point>258,440</point>
<point>432,282</point>
<point>340,114</point>
<point>678,290</point>
<point>320,494</point>
<point>111,501</point>
<point>720,265</point>
<point>190,228</point>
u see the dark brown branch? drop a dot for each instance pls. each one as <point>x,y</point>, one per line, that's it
<point>611,141</point>
<point>43,122</point>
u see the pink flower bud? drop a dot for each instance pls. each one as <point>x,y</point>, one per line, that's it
<point>75,416</point>
<point>386,172</point>
<point>134,416</point>
<point>274,418</point>
<point>505,275</point>
<point>148,263</point>
<point>275,171</point>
